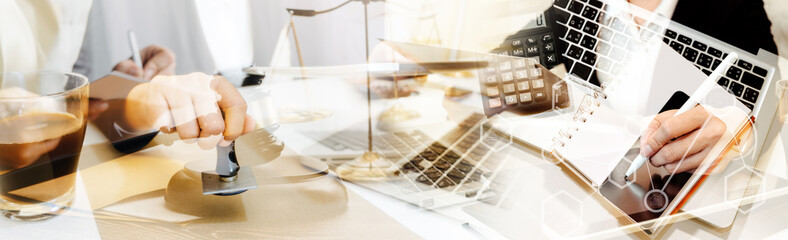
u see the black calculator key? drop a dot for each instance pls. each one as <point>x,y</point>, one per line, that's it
<point>670,34</point>
<point>595,3</point>
<point>666,40</point>
<point>530,41</point>
<point>751,80</point>
<point>588,42</point>
<point>576,22</point>
<point>736,89</point>
<point>561,16</point>
<point>547,38</point>
<point>517,43</point>
<point>684,39</point>
<point>750,95</point>
<point>690,54</point>
<point>551,58</point>
<point>677,46</point>
<point>575,7</point>
<point>744,64</point>
<point>549,47</point>
<point>760,71</point>
<point>705,60</point>
<point>574,36</point>
<point>574,52</point>
<point>733,73</point>
<point>582,0</point>
<point>589,58</point>
<point>589,12</point>
<point>723,82</point>
<point>715,52</point>
<point>582,71</point>
<point>699,45</point>
<point>591,28</point>
<point>518,51</point>
<point>561,3</point>
<point>532,50</point>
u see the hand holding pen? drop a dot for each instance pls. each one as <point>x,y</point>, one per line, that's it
<point>680,139</point>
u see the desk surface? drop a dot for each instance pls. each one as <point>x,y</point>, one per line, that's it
<point>367,214</point>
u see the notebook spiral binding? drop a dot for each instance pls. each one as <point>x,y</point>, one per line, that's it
<point>588,105</point>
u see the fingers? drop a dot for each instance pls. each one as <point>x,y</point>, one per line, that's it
<point>249,125</point>
<point>128,67</point>
<point>678,149</point>
<point>670,127</point>
<point>157,60</point>
<point>689,163</point>
<point>96,107</point>
<point>233,106</point>
<point>209,119</point>
<point>182,110</point>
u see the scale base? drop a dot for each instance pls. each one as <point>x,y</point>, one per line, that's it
<point>367,167</point>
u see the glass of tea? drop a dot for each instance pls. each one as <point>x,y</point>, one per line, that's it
<point>42,125</point>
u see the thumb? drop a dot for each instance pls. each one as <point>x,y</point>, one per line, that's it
<point>150,69</point>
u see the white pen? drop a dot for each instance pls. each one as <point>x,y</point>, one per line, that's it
<point>699,94</point>
<point>135,50</point>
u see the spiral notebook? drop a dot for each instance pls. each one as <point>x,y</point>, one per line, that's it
<point>605,125</point>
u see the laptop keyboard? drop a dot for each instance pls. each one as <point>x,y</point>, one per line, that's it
<point>461,161</point>
<point>596,44</point>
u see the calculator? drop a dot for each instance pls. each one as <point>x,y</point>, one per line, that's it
<point>518,79</point>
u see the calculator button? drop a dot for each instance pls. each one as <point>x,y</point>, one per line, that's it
<point>551,58</point>
<point>535,72</point>
<point>517,43</point>
<point>508,88</point>
<point>520,75</point>
<point>505,66</point>
<point>530,41</point>
<point>490,68</point>
<point>547,37</point>
<point>507,77</point>
<point>532,50</point>
<point>494,102</point>
<point>538,83</point>
<point>525,97</point>
<point>493,92</point>
<point>519,63</point>
<point>539,97</point>
<point>492,79</point>
<point>549,47</point>
<point>532,61</point>
<point>522,86</point>
<point>518,52</point>
<point>511,99</point>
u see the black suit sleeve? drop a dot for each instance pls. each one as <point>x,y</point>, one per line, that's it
<point>742,23</point>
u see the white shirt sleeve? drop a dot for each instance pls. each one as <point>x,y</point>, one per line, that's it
<point>41,35</point>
